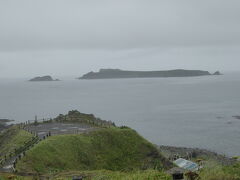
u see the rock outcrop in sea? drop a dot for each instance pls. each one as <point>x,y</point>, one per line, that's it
<point>217,73</point>
<point>43,78</point>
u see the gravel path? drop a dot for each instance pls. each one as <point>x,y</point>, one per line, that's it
<point>58,129</point>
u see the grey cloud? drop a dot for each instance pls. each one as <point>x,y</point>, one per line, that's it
<point>69,24</point>
<point>72,37</point>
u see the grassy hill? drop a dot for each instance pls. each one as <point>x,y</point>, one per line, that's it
<point>11,139</point>
<point>116,149</point>
<point>108,153</point>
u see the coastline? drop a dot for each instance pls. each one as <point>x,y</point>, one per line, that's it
<point>196,153</point>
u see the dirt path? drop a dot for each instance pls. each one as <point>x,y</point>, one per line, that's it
<point>44,129</point>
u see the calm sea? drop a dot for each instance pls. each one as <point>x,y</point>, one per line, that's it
<point>191,112</point>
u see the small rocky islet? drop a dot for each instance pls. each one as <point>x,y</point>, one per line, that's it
<point>43,78</point>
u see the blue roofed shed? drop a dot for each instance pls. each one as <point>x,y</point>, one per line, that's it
<point>185,164</point>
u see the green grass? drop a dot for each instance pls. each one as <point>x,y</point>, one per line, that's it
<point>111,149</point>
<point>12,139</point>
<point>208,173</point>
<point>116,175</point>
<point>99,175</point>
<point>78,117</point>
<point>234,170</point>
<point>217,172</point>
<point>105,154</point>
<point>7,176</point>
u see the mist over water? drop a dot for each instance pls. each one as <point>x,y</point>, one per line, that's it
<point>192,112</point>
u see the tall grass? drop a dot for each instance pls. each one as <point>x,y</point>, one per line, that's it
<point>221,173</point>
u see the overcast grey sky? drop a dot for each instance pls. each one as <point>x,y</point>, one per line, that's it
<point>72,37</point>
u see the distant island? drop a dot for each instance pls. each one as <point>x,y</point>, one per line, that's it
<point>118,73</point>
<point>43,78</point>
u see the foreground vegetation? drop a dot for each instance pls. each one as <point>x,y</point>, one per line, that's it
<point>108,153</point>
<point>208,173</point>
<point>217,172</point>
<point>116,149</point>
<point>97,175</point>
<point>215,166</point>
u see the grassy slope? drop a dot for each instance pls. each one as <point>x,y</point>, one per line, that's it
<point>221,172</point>
<point>99,175</point>
<point>116,175</point>
<point>111,149</point>
<point>13,138</point>
<point>209,173</point>
<point>97,147</point>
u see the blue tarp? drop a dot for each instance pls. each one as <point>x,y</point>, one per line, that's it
<point>185,164</point>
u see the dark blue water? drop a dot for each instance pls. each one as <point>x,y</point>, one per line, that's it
<point>192,112</point>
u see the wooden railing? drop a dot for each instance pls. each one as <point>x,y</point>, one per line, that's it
<point>21,150</point>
